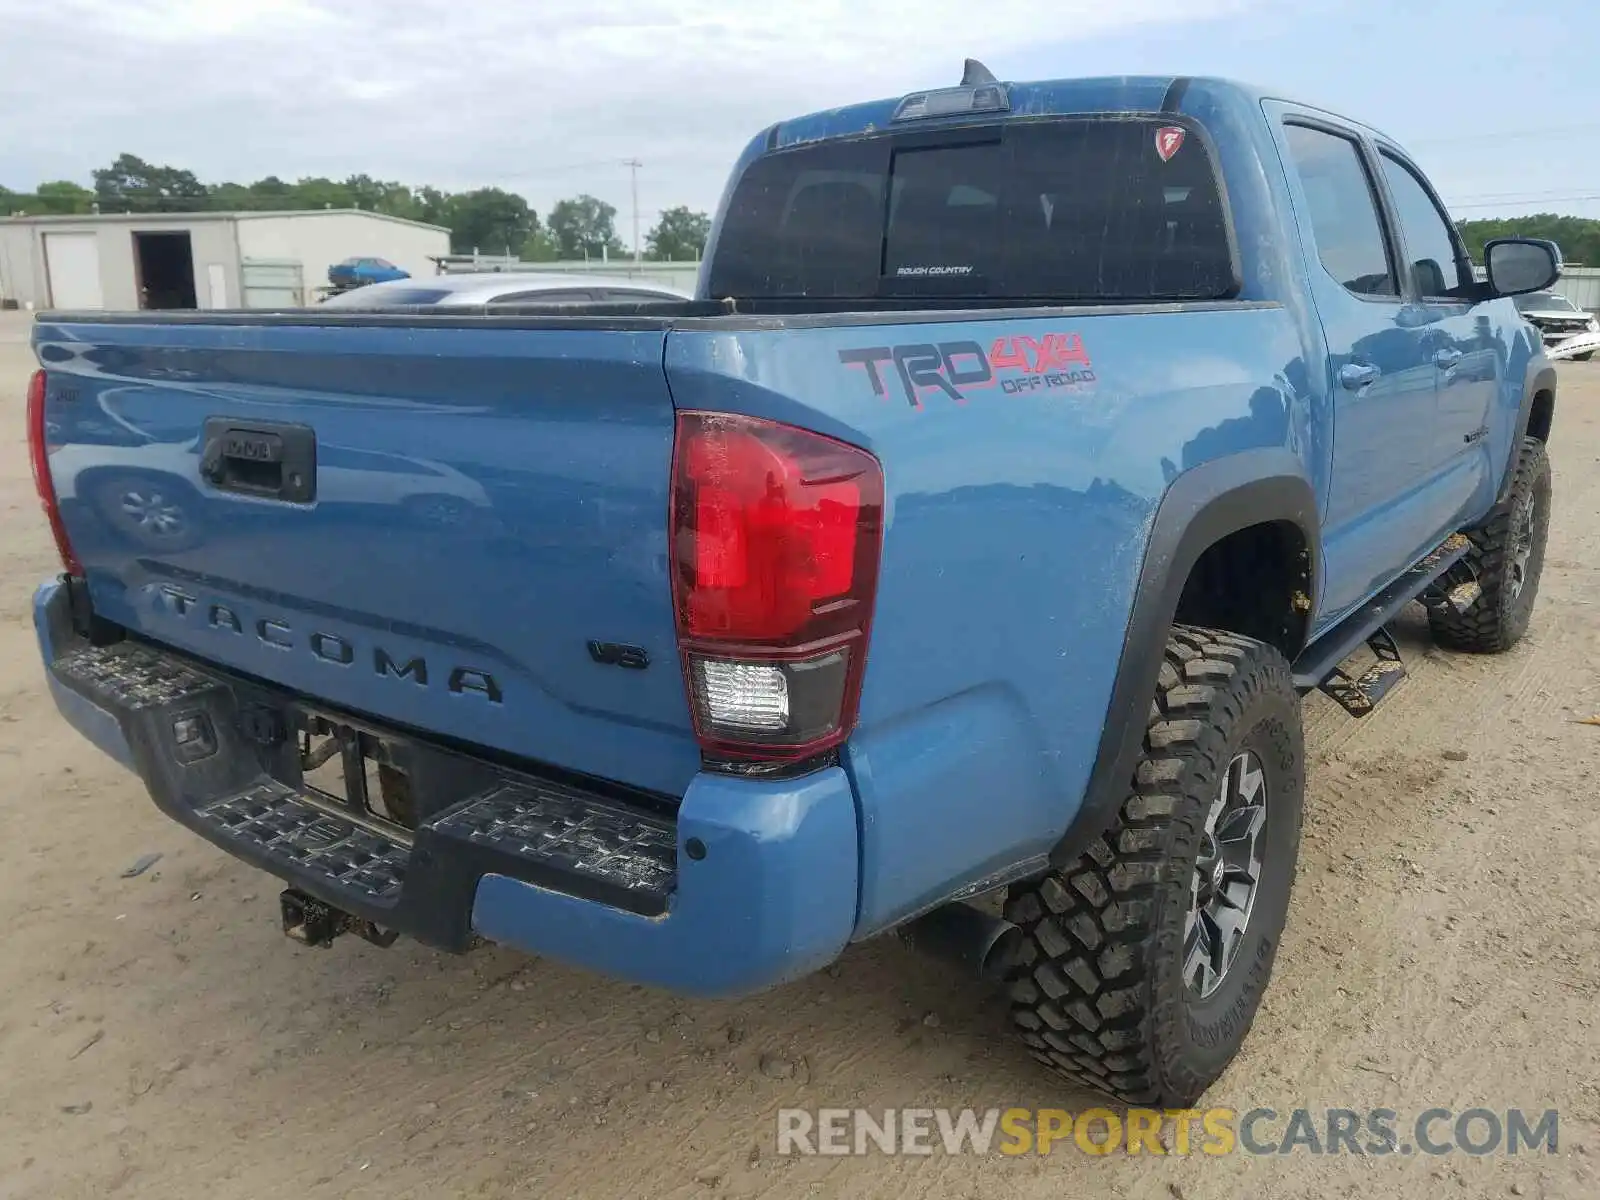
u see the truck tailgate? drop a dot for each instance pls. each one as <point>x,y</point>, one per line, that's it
<point>483,555</point>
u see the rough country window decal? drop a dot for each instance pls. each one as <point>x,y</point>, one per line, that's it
<point>1169,140</point>
<point>1016,364</point>
<point>932,271</point>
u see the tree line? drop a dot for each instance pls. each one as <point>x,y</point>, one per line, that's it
<point>489,220</point>
<point>1578,237</point>
<point>494,221</point>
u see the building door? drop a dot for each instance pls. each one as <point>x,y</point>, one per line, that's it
<point>272,283</point>
<point>217,285</point>
<point>164,267</point>
<point>72,261</point>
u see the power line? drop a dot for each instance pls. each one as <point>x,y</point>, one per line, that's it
<point>593,164</point>
<point>1512,201</point>
<point>1555,192</point>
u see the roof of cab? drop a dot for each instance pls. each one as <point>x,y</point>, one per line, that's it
<point>1109,93</point>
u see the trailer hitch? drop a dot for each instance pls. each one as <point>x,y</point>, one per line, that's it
<point>312,922</point>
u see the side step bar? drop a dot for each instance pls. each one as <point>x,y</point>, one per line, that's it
<point>1440,578</point>
<point>1361,695</point>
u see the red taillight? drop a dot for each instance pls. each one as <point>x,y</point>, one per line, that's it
<point>39,453</point>
<point>775,540</point>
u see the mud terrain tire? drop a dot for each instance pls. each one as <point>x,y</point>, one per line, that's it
<point>1507,556</point>
<point>1101,990</point>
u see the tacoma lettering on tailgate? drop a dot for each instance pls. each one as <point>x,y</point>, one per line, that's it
<point>331,648</point>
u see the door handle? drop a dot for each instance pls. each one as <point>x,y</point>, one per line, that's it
<point>268,460</point>
<point>1447,358</point>
<point>1354,376</point>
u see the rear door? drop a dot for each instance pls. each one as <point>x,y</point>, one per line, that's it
<point>475,506</point>
<point>1381,374</point>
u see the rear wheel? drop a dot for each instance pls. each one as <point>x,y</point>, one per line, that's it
<point>1507,556</point>
<point>1143,962</point>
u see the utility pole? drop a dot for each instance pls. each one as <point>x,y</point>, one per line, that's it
<point>633,165</point>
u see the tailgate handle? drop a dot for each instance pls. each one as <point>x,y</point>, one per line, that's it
<point>266,459</point>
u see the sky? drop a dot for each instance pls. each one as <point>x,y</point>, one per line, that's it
<point>1498,101</point>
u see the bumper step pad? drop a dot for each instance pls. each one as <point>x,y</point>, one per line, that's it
<point>629,850</point>
<point>129,676</point>
<point>558,835</point>
<point>278,821</point>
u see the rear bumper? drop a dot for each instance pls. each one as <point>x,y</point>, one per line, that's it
<point>745,885</point>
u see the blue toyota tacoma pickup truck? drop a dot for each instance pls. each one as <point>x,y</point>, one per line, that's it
<point>1027,453</point>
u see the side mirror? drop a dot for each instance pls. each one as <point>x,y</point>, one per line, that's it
<point>1519,265</point>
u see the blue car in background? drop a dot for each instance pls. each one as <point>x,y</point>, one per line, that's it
<point>358,272</point>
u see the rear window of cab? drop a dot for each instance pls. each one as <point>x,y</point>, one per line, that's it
<point>1124,208</point>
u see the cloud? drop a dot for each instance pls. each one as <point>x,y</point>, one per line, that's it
<point>546,98</point>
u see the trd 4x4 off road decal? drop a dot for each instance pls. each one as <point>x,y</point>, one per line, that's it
<point>1017,364</point>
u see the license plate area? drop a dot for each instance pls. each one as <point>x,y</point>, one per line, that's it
<point>361,771</point>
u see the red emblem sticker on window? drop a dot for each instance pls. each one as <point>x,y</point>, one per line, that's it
<point>1168,139</point>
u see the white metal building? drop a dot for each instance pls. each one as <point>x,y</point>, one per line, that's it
<point>199,260</point>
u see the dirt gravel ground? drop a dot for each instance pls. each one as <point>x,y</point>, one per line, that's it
<point>160,1038</point>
